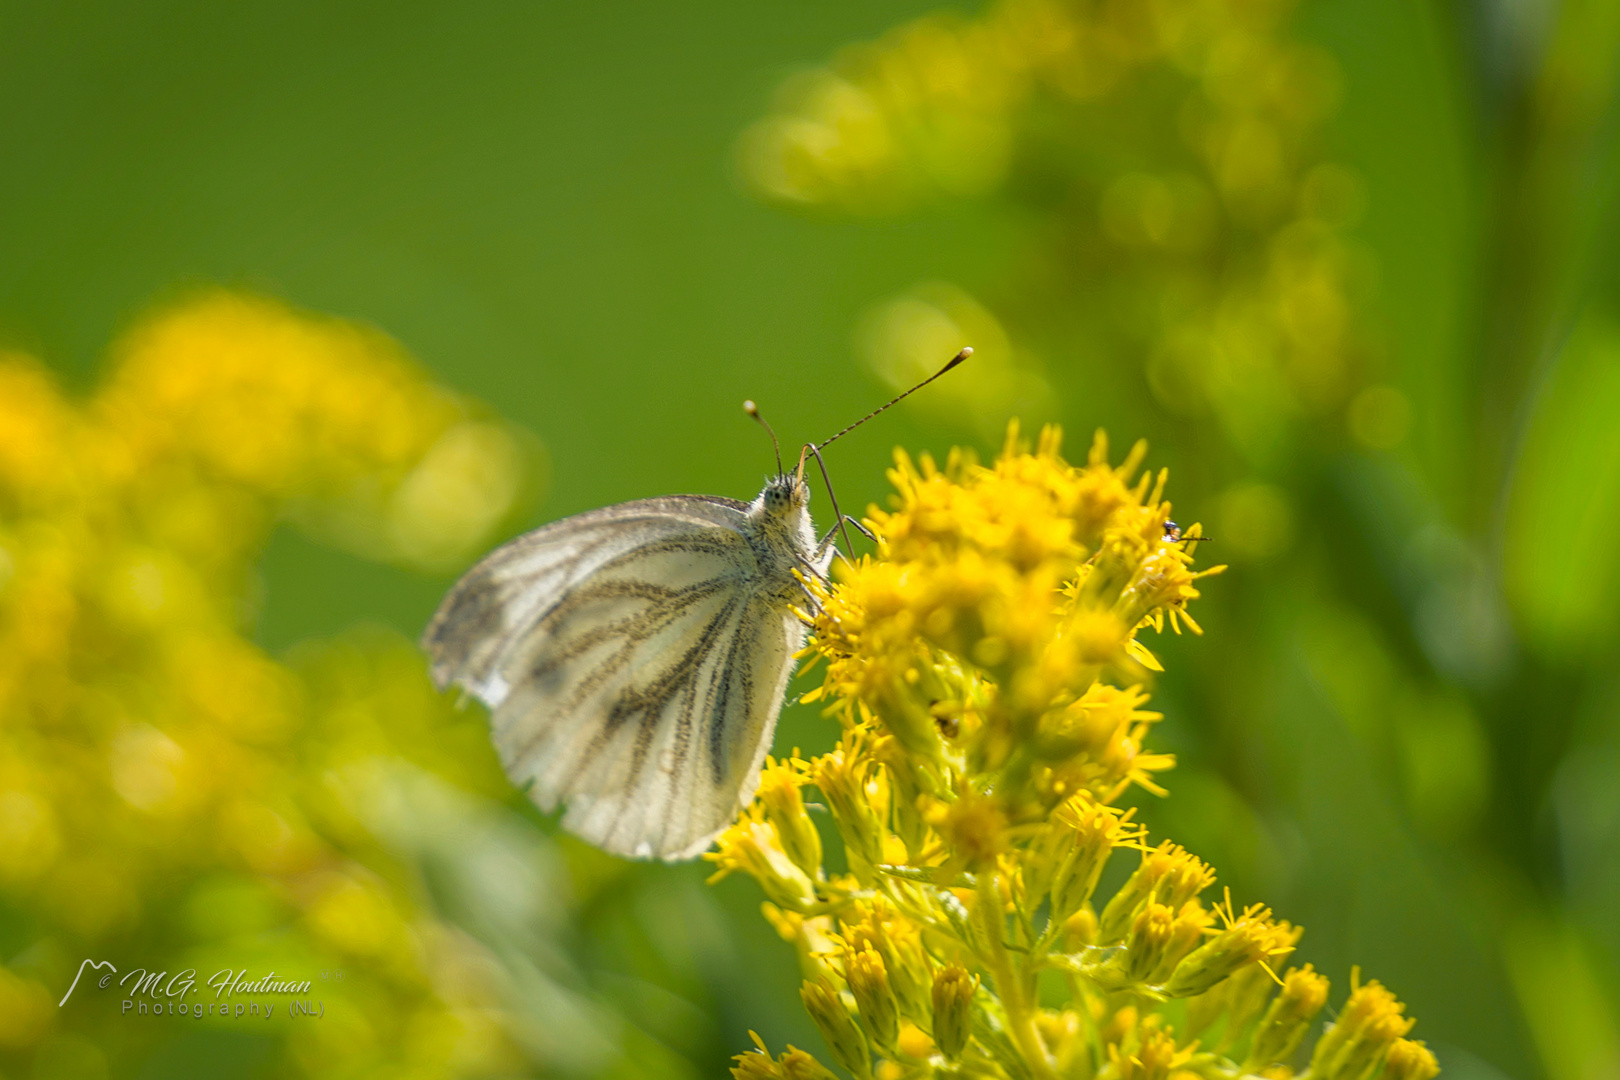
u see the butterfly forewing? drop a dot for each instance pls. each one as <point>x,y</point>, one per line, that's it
<point>633,664</point>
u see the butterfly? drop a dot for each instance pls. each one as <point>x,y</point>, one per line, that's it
<point>634,658</point>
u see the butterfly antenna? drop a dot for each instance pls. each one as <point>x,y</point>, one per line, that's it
<point>753,410</point>
<point>827,480</point>
<point>957,359</point>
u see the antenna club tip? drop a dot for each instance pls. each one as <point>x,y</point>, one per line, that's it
<point>750,408</point>
<point>967,351</point>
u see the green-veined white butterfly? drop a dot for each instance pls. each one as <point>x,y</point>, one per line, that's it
<point>634,658</point>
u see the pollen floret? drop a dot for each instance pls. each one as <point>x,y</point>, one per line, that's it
<point>985,671</point>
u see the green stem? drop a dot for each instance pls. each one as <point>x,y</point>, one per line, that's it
<point>1009,987</point>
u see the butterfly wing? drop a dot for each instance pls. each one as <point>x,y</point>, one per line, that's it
<point>633,665</point>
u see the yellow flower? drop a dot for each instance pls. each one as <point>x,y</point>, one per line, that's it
<point>837,1027</point>
<point>984,669</point>
<point>795,1064</point>
<point>953,995</point>
<point>875,924</point>
<point>1080,837</point>
<point>1153,1057</point>
<point>1213,209</point>
<point>1168,874</point>
<point>754,847</point>
<point>779,785</point>
<point>857,796</point>
<point>973,826</point>
<point>1301,997</point>
<point>1366,1030</point>
<point>798,1064</point>
<point>157,766</point>
<point>868,981</point>
<point>1410,1060</point>
<point>1249,938</point>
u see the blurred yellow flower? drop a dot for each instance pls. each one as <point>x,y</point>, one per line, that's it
<point>1170,160</point>
<point>154,761</point>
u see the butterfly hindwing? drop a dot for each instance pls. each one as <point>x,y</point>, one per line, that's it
<point>655,742</point>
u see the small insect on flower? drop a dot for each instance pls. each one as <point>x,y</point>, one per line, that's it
<point>634,658</point>
<point>1174,535</point>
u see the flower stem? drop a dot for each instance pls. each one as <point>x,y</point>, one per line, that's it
<point>1009,987</point>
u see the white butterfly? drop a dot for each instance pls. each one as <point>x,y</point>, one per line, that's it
<point>634,658</point>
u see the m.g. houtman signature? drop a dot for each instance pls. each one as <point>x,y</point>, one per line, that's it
<point>158,992</point>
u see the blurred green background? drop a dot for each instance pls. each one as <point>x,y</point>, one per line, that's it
<point>1402,728</point>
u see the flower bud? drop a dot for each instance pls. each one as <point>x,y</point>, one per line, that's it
<point>1368,1025</point>
<point>1250,939</point>
<point>1186,933</point>
<point>1095,830</point>
<point>1289,1016</point>
<point>843,778</point>
<point>837,1027</point>
<point>798,1065</point>
<point>869,983</point>
<point>953,1004</point>
<point>1167,874</point>
<point>755,848</point>
<point>1150,935</point>
<point>1410,1060</point>
<point>756,1064</point>
<point>1364,1053</point>
<point>784,808</point>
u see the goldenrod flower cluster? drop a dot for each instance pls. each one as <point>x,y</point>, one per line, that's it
<point>171,795</point>
<point>985,670</point>
<point>1170,154</point>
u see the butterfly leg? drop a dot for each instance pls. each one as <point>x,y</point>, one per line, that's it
<point>827,541</point>
<point>809,594</point>
<point>810,566</point>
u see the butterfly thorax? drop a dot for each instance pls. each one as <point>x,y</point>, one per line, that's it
<point>778,528</point>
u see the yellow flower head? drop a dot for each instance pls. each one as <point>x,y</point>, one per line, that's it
<point>754,847</point>
<point>778,793</point>
<point>985,672</point>
<point>1153,1056</point>
<point>1368,1027</point>
<point>1249,938</point>
<point>999,598</point>
<point>952,996</point>
<point>1167,874</point>
<point>875,924</point>
<point>1410,1060</point>
<point>868,980</point>
<point>1297,1003</point>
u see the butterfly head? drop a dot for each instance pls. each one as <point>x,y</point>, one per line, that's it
<point>784,495</point>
